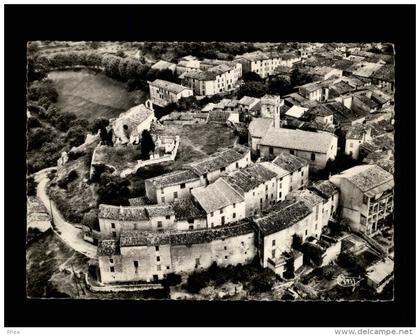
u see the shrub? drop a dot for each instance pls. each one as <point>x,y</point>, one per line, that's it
<point>171,279</point>
<point>31,186</point>
<point>196,282</point>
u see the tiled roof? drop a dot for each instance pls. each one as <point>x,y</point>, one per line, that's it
<point>310,87</point>
<point>279,171</point>
<point>344,114</point>
<point>341,88</point>
<point>320,111</point>
<point>356,131</point>
<point>208,235</point>
<point>289,162</point>
<point>386,73</point>
<point>173,178</point>
<point>186,208</point>
<point>143,238</point>
<point>325,188</point>
<point>245,100</point>
<point>220,159</point>
<point>297,139</point>
<point>159,210</point>
<point>366,177</point>
<point>249,178</point>
<point>307,196</point>
<point>209,74</point>
<point>138,201</point>
<point>258,126</point>
<point>161,65</point>
<point>367,101</point>
<point>122,213</point>
<point>282,215</point>
<point>171,87</point>
<point>216,196</point>
<point>108,248</point>
<point>296,111</point>
<point>379,143</point>
<point>131,118</point>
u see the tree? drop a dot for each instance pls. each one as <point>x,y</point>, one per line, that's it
<point>42,89</point>
<point>37,137</point>
<point>98,124</point>
<point>63,120</point>
<point>252,77</point>
<point>299,78</point>
<point>90,219</point>
<point>279,86</point>
<point>252,89</point>
<point>147,145</point>
<point>76,136</point>
<point>113,190</point>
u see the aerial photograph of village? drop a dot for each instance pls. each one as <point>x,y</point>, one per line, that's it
<point>210,170</point>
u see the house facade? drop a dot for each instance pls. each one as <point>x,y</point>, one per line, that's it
<point>163,92</point>
<point>366,196</point>
<point>140,256</point>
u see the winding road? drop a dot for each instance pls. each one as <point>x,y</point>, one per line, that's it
<point>71,235</point>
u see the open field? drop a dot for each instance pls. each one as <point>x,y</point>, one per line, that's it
<point>91,95</point>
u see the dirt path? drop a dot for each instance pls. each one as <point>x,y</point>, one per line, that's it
<point>71,235</point>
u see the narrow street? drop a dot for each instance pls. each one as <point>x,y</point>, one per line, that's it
<point>71,235</point>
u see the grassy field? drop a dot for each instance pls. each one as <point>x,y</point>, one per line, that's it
<point>91,95</point>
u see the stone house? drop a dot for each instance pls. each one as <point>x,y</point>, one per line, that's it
<point>256,184</point>
<point>115,219</point>
<point>316,148</point>
<point>163,92</point>
<point>298,170</point>
<point>127,128</point>
<point>221,203</point>
<point>150,256</point>
<point>275,231</point>
<point>366,196</point>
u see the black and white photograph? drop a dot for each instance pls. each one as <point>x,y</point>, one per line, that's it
<point>210,170</point>
<point>169,167</point>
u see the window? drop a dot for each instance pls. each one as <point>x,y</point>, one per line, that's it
<point>157,248</point>
<point>365,199</point>
<point>266,197</point>
<point>111,261</point>
<point>168,267</point>
<point>191,227</point>
<point>158,267</point>
<point>234,205</point>
<point>114,234</point>
<point>221,211</point>
<point>237,165</point>
<point>136,263</point>
<point>226,257</point>
<point>175,194</point>
<point>168,217</point>
<point>290,189</point>
<point>159,224</point>
<point>306,232</point>
<point>225,247</point>
<point>266,187</point>
<point>112,269</point>
<point>302,173</point>
<point>273,243</point>
<point>234,215</point>
<point>280,194</point>
<point>271,150</point>
<point>163,199</point>
<point>313,156</point>
<point>212,225</point>
<point>351,144</point>
<point>113,225</point>
<point>211,214</point>
<point>157,258</point>
<point>182,185</point>
<point>222,169</point>
<point>292,152</point>
<point>273,254</point>
<point>161,190</point>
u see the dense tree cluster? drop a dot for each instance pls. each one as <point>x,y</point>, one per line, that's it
<point>113,190</point>
<point>199,49</point>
